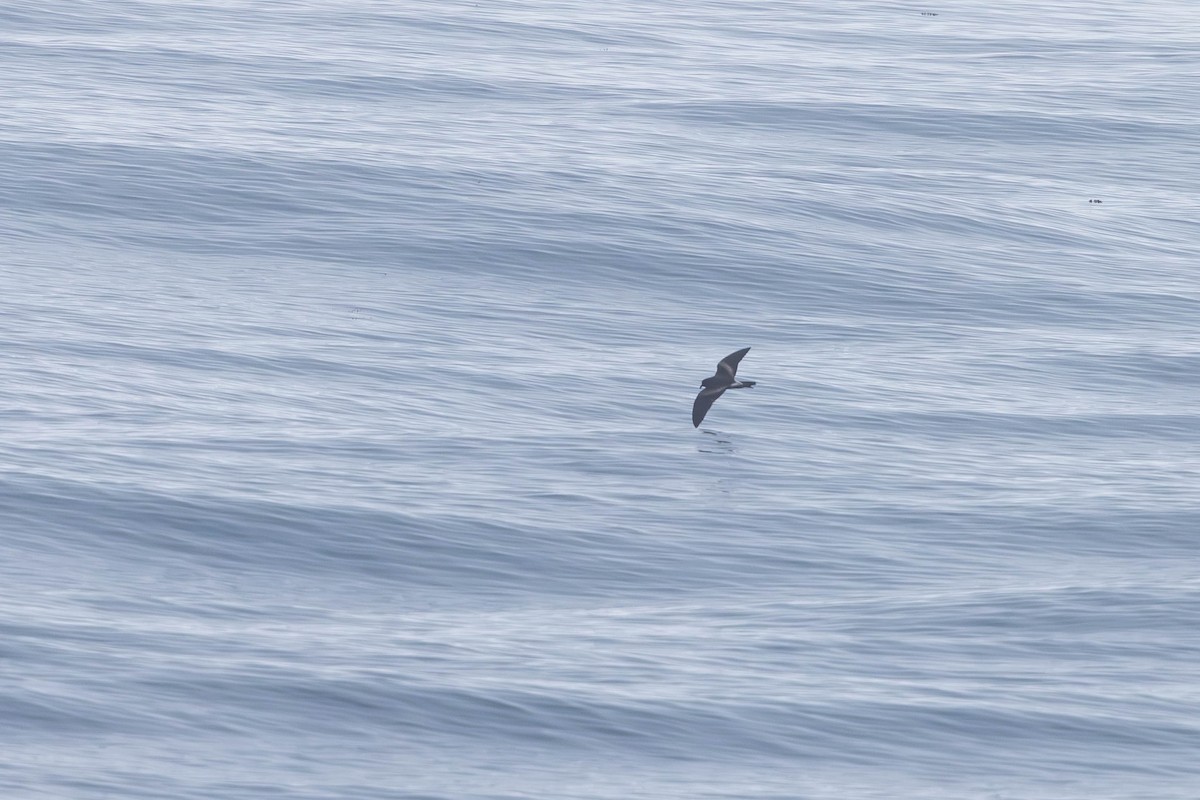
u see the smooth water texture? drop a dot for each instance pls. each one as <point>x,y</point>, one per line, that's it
<point>347,353</point>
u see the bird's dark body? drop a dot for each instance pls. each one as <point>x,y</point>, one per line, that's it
<point>715,386</point>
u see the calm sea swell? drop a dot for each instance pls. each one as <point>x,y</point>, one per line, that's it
<point>345,361</point>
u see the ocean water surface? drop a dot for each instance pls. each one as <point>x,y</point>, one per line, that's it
<point>347,353</point>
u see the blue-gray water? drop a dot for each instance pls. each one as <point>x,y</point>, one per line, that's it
<point>347,353</point>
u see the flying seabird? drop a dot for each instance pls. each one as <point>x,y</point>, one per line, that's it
<point>715,386</point>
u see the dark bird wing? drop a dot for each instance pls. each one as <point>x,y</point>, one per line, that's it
<point>729,363</point>
<point>703,403</point>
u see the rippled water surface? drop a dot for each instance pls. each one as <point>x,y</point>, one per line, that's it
<point>347,353</point>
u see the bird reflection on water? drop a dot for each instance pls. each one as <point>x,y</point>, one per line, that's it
<point>719,443</point>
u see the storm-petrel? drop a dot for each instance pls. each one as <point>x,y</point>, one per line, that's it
<point>715,386</point>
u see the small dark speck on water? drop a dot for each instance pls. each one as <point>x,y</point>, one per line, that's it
<point>1095,201</point>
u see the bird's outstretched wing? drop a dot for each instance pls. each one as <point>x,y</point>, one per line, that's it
<point>729,363</point>
<point>703,403</point>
